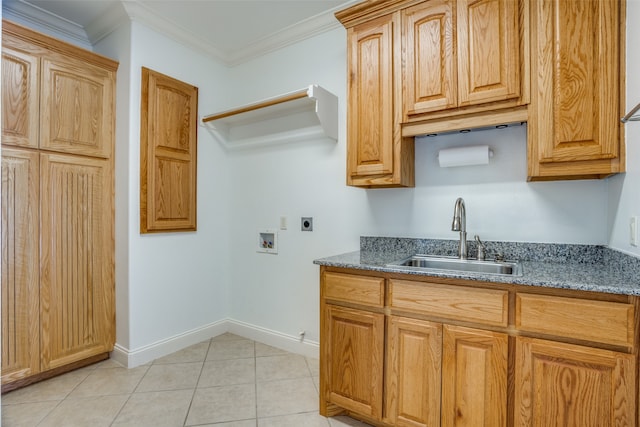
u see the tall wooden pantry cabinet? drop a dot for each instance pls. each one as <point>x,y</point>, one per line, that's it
<point>57,206</point>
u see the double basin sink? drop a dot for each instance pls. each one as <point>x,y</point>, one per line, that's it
<point>432,262</point>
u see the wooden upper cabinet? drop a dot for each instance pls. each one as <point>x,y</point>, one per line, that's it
<point>20,109</point>
<point>488,51</point>
<point>430,80</point>
<point>168,154</point>
<point>574,128</point>
<point>461,53</point>
<point>377,155</point>
<point>77,105</point>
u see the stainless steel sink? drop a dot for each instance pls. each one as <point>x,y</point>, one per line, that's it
<point>430,262</point>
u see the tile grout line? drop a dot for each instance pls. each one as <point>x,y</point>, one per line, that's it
<point>195,388</point>
<point>255,379</point>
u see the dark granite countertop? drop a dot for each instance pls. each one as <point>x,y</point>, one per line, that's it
<point>579,267</point>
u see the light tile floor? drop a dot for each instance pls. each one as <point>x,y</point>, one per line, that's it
<point>228,381</point>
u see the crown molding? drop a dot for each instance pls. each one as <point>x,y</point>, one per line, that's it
<point>295,33</point>
<point>142,14</point>
<point>107,23</point>
<point>29,15</point>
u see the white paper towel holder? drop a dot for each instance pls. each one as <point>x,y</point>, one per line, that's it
<point>464,156</point>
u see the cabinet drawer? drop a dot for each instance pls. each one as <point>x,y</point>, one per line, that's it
<point>489,306</point>
<point>601,321</point>
<point>356,289</point>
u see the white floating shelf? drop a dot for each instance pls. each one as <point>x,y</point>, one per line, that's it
<point>301,115</point>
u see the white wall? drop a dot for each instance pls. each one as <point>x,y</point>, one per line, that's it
<point>172,284</point>
<point>624,189</point>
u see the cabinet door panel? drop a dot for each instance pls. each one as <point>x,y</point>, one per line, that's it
<point>20,255</point>
<point>488,51</point>
<point>20,119</point>
<point>474,368</point>
<point>574,129</point>
<point>168,154</point>
<point>583,93</point>
<point>413,372</point>
<point>77,259</point>
<point>76,108</point>
<point>371,95</point>
<point>355,358</point>
<point>430,75</point>
<point>561,384</point>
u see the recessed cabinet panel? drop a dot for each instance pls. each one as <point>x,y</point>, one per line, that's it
<point>76,108</point>
<point>430,65</point>
<point>414,372</point>
<point>168,154</point>
<point>371,92</point>
<point>20,110</point>
<point>355,350</point>
<point>77,266</point>
<point>560,384</point>
<point>488,51</point>
<point>574,128</point>
<point>20,259</point>
<point>475,367</point>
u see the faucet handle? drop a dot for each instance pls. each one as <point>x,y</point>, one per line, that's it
<point>482,250</point>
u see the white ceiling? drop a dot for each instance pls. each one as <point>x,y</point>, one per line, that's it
<point>232,31</point>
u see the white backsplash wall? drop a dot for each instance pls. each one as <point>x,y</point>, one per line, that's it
<point>624,189</point>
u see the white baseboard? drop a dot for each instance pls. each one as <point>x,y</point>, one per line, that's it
<point>148,353</point>
<point>277,339</point>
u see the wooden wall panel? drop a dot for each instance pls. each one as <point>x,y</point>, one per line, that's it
<point>168,154</point>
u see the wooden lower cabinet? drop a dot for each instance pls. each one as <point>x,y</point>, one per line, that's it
<point>76,283</point>
<point>414,372</point>
<point>354,351</point>
<point>474,372</point>
<point>560,384</point>
<point>20,264</point>
<point>441,368</point>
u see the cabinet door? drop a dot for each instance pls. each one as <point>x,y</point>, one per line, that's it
<point>168,154</point>
<point>574,127</point>
<point>488,51</point>
<point>77,282</point>
<point>474,371</point>
<point>76,107</point>
<point>561,384</point>
<point>354,357</point>
<point>20,273</point>
<point>373,110</point>
<point>430,72</point>
<point>413,372</point>
<point>20,108</point>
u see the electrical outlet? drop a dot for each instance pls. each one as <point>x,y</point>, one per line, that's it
<point>633,231</point>
<point>306,223</point>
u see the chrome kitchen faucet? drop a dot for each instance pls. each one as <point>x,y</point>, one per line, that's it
<point>460,224</point>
